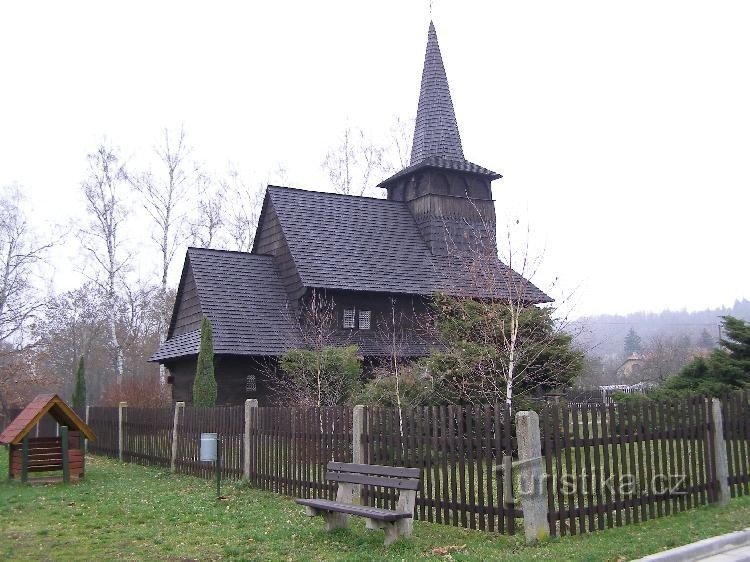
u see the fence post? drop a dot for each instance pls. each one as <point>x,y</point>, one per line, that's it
<point>250,403</point>
<point>120,428</point>
<point>175,425</point>
<point>86,441</point>
<point>533,489</point>
<point>358,448</point>
<point>720,452</point>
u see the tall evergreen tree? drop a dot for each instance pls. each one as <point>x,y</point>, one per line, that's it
<point>726,368</point>
<point>705,341</point>
<point>79,394</point>
<point>633,343</point>
<point>204,385</point>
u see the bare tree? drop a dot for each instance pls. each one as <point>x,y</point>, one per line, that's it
<point>208,222</point>
<point>21,254</point>
<point>352,164</point>
<point>103,189</point>
<point>164,193</point>
<point>242,216</point>
<point>399,151</point>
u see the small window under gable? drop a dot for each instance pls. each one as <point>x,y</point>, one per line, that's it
<point>349,318</point>
<point>364,319</point>
<point>251,385</point>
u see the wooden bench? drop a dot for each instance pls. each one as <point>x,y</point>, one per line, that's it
<point>349,476</point>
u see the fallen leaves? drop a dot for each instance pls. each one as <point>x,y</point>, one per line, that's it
<point>446,551</point>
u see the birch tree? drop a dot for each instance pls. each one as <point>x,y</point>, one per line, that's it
<point>497,344</point>
<point>355,163</point>
<point>164,192</point>
<point>21,255</point>
<point>103,240</point>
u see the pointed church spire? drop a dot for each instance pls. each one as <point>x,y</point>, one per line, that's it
<point>436,129</point>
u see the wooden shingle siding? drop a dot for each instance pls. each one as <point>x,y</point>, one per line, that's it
<point>270,240</point>
<point>187,308</point>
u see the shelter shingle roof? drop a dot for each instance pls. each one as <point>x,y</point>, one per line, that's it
<point>33,412</point>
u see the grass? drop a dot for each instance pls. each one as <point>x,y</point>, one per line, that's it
<point>129,512</point>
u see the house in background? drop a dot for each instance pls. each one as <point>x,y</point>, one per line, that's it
<point>374,259</point>
<point>630,369</point>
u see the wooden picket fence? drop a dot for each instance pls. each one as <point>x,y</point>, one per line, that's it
<point>736,408</point>
<point>605,465</point>
<point>615,465</point>
<point>459,450</point>
<point>290,447</point>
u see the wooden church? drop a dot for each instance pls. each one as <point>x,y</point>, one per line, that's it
<point>375,260</point>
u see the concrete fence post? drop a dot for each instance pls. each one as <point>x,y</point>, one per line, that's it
<point>250,408</point>
<point>358,447</point>
<point>720,452</point>
<point>533,488</point>
<point>121,428</point>
<point>86,441</point>
<point>179,406</point>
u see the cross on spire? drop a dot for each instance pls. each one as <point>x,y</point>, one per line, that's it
<point>436,130</point>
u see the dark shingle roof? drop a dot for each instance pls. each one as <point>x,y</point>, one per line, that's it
<point>364,244</point>
<point>436,130</point>
<point>355,243</point>
<point>443,164</point>
<point>245,300</point>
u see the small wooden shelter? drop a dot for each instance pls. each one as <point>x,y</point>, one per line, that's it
<point>45,454</point>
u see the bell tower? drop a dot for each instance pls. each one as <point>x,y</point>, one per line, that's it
<point>450,197</point>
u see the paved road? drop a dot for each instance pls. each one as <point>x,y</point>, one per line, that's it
<point>738,554</point>
<point>732,547</point>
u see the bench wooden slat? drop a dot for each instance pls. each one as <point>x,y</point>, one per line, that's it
<point>375,469</point>
<point>360,510</point>
<point>355,478</point>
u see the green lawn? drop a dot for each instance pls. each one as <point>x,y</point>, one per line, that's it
<point>128,512</point>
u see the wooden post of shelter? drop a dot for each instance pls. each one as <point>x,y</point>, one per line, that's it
<point>25,460</point>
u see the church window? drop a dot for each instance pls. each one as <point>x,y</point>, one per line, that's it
<point>349,318</point>
<point>251,385</point>
<point>364,319</point>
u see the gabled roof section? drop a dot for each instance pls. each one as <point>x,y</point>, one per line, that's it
<point>33,413</point>
<point>353,243</point>
<point>436,129</point>
<point>244,299</point>
<point>364,244</point>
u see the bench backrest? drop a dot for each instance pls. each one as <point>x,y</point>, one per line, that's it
<point>374,475</point>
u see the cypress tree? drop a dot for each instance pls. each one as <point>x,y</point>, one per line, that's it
<point>79,394</point>
<point>204,385</point>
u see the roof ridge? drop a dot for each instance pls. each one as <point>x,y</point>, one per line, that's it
<point>227,251</point>
<point>367,197</point>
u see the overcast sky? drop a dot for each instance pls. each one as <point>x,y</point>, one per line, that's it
<point>622,129</point>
